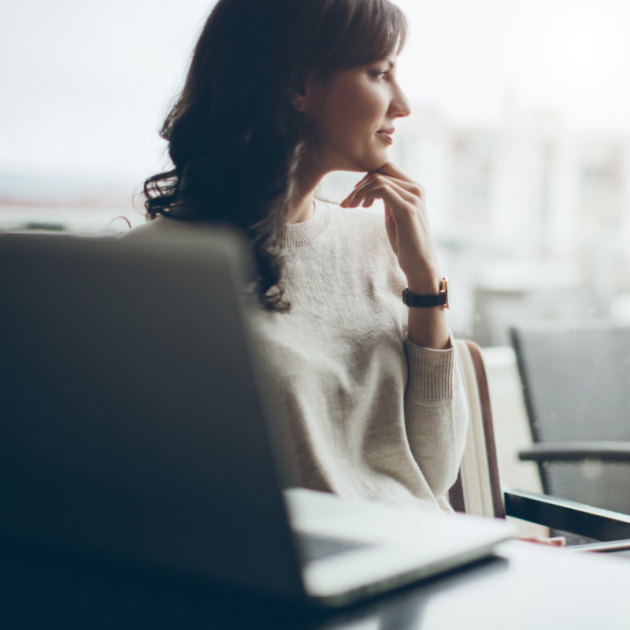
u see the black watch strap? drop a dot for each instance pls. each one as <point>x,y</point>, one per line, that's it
<point>427,301</point>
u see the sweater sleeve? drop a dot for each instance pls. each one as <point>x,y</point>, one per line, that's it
<point>436,414</point>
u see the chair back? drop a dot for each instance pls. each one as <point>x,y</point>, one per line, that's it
<point>576,385</point>
<point>478,488</point>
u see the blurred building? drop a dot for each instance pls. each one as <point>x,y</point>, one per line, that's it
<point>64,203</point>
<point>532,220</point>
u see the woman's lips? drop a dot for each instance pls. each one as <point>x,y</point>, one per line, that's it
<point>386,134</point>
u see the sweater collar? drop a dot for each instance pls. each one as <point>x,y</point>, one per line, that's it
<point>308,231</point>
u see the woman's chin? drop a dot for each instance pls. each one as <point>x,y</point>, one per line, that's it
<point>378,159</point>
<point>365,163</point>
<point>372,162</point>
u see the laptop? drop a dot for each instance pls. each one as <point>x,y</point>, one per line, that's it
<point>138,429</point>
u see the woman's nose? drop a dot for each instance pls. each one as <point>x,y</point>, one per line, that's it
<point>399,106</point>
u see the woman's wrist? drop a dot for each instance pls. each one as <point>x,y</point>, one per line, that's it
<point>428,284</point>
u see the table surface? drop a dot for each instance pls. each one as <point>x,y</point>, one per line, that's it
<point>523,586</point>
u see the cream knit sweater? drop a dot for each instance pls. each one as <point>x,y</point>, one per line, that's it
<point>371,414</point>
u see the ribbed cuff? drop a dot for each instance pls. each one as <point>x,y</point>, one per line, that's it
<point>430,372</point>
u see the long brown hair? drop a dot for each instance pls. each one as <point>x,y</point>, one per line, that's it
<point>234,136</point>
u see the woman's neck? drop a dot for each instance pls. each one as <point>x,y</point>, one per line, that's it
<point>307,178</point>
<point>302,207</point>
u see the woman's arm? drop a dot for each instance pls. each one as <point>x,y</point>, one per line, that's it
<point>436,415</point>
<point>408,231</point>
<point>436,411</point>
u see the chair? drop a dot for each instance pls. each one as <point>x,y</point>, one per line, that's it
<point>576,384</point>
<point>478,490</point>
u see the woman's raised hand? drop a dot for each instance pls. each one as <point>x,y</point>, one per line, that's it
<point>406,222</point>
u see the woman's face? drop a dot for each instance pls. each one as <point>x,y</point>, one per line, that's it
<point>354,112</point>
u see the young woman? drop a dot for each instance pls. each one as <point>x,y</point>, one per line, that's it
<point>280,93</point>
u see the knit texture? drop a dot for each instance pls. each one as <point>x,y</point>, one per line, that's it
<point>371,414</point>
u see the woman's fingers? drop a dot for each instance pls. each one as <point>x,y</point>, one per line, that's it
<point>362,180</point>
<point>392,170</point>
<point>389,170</point>
<point>412,187</point>
<point>392,195</point>
<point>412,192</point>
<point>367,194</point>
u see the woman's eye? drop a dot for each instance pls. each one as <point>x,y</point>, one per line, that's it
<point>380,74</point>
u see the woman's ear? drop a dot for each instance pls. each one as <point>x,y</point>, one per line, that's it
<point>298,98</point>
<point>301,96</point>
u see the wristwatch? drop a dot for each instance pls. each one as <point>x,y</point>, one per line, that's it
<point>427,301</point>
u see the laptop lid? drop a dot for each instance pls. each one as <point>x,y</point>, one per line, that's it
<point>133,425</point>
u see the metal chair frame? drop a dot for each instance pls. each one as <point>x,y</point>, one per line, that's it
<point>478,489</point>
<point>566,451</point>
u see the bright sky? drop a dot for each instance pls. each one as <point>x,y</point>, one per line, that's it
<point>84,86</point>
<point>471,57</point>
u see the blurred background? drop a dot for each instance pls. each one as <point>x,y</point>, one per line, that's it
<point>519,134</point>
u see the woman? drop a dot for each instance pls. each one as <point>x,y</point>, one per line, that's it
<point>279,94</point>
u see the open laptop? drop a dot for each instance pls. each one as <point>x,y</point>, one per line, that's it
<point>137,429</point>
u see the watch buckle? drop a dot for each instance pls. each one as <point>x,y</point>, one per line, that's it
<point>444,289</point>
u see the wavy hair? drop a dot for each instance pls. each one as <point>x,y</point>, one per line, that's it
<point>234,136</point>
